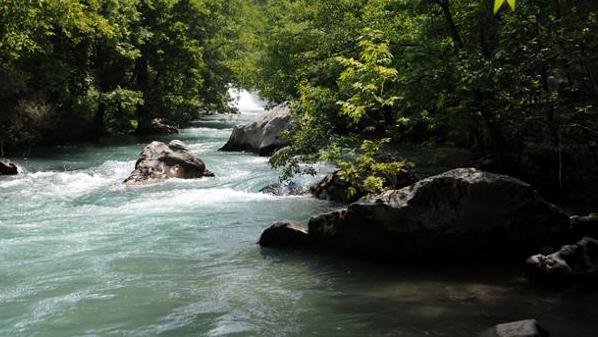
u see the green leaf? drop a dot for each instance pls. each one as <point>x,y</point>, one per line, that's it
<point>497,5</point>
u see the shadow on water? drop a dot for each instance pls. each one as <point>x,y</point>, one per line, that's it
<point>442,300</point>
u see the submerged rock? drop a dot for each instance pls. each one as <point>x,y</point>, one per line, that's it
<point>264,135</point>
<point>333,188</point>
<point>461,214</point>
<point>525,328</point>
<point>283,189</point>
<point>159,161</point>
<point>8,169</point>
<point>571,262</point>
<point>284,234</point>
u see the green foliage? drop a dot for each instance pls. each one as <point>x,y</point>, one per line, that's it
<point>517,86</point>
<point>499,3</point>
<point>364,172</point>
<point>95,65</point>
<point>121,106</point>
<point>365,79</point>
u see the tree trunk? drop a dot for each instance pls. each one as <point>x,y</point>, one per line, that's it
<point>448,15</point>
<point>141,76</point>
<point>98,121</point>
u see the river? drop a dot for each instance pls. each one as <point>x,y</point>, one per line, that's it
<point>83,255</point>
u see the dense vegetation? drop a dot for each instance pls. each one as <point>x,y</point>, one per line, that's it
<point>518,87</point>
<point>77,69</point>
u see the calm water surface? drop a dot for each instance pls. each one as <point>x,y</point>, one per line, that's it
<point>83,255</point>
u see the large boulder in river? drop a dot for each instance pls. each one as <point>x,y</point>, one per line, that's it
<point>159,161</point>
<point>571,262</point>
<point>264,135</point>
<point>284,234</point>
<point>525,328</point>
<point>8,169</point>
<point>461,214</point>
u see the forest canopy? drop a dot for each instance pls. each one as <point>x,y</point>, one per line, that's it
<point>518,87</point>
<point>76,69</point>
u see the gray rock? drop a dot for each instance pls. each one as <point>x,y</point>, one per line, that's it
<point>284,234</point>
<point>463,213</point>
<point>571,262</point>
<point>159,161</point>
<point>283,189</point>
<point>8,169</point>
<point>264,135</point>
<point>158,126</point>
<point>525,328</point>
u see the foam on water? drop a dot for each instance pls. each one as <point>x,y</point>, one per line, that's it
<point>81,254</point>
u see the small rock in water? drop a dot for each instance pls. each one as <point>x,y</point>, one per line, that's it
<point>571,262</point>
<point>282,189</point>
<point>158,126</point>
<point>284,234</point>
<point>525,328</point>
<point>8,169</point>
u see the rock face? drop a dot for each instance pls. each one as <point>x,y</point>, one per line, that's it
<point>283,189</point>
<point>333,188</point>
<point>284,234</point>
<point>572,262</point>
<point>264,135</point>
<point>460,214</point>
<point>8,169</point>
<point>159,161</point>
<point>526,328</point>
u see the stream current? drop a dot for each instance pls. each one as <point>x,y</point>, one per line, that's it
<point>83,255</point>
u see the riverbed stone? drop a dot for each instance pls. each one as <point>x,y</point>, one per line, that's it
<point>572,262</point>
<point>284,234</point>
<point>159,161</point>
<point>524,328</point>
<point>463,214</point>
<point>8,169</point>
<point>283,189</point>
<point>264,135</point>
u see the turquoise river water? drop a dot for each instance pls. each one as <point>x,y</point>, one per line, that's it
<point>83,255</point>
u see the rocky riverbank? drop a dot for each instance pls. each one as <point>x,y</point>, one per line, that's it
<point>461,215</point>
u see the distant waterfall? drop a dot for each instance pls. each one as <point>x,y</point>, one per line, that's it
<point>245,101</point>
